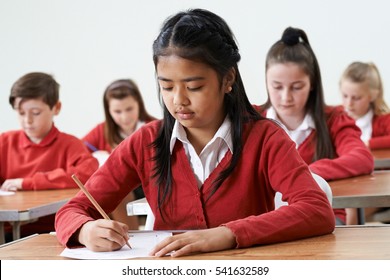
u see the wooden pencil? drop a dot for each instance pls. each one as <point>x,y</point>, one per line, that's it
<point>93,201</point>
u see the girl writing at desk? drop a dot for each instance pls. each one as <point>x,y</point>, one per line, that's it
<point>211,166</point>
<point>325,137</point>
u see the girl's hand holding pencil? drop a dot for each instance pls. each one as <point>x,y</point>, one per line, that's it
<point>102,235</point>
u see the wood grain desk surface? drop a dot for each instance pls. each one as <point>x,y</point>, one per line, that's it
<point>381,154</point>
<point>29,205</point>
<point>24,200</point>
<point>362,191</point>
<point>346,243</point>
<point>381,158</point>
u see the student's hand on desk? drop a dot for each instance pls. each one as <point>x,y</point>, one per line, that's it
<point>207,240</point>
<point>12,184</point>
<point>103,235</point>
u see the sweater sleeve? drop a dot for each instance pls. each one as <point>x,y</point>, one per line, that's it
<point>352,157</point>
<point>380,133</point>
<point>381,142</point>
<point>108,185</point>
<point>308,212</point>
<point>94,140</point>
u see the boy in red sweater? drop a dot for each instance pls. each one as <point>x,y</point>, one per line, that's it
<point>39,156</point>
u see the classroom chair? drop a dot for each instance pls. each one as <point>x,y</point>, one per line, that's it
<point>321,183</point>
<point>141,207</point>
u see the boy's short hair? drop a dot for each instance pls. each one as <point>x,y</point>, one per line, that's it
<point>36,85</point>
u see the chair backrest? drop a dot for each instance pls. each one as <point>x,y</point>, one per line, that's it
<point>141,207</point>
<point>321,183</point>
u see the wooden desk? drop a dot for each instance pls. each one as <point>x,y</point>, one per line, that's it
<point>29,205</point>
<point>346,243</point>
<point>381,158</point>
<point>361,192</point>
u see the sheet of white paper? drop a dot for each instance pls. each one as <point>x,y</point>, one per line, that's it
<point>142,242</point>
<point>5,193</point>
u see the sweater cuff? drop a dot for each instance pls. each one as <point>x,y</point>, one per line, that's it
<point>231,227</point>
<point>27,184</point>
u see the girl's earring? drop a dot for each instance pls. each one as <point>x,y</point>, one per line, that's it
<point>229,89</point>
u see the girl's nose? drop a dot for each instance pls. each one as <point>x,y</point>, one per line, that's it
<point>286,95</point>
<point>180,97</point>
<point>348,102</point>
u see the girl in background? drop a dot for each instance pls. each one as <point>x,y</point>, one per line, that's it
<point>326,138</point>
<point>125,112</point>
<point>361,89</point>
<point>362,95</point>
<point>211,167</point>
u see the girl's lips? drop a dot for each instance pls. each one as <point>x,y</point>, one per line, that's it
<point>286,106</point>
<point>184,115</point>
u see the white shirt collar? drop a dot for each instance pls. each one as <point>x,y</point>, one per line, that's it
<point>365,125</point>
<point>223,132</point>
<point>307,123</point>
<point>367,118</point>
<point>298,135</point>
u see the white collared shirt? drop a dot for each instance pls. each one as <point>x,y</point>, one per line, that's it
<point>299,134</point>
<point>365,125</point>
<point>212,153</point>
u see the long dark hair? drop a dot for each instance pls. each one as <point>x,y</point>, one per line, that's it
<point>201,36</point>
<point>294,47</point>
<point>121,89</point>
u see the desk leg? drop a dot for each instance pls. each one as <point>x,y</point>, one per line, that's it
<point>2,234</point>
<point>16,230</point>
<point>361,216</point>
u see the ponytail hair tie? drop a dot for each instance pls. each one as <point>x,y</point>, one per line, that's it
<point>291,36</point>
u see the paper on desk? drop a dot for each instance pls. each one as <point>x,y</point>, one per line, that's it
<point>5,193</point>
<point>142,242</point>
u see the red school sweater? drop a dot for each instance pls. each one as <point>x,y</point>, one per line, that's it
<point>95,139</point>
<point>349,150</point>
<point>47,165</point>
<point>244,202</point>
<point>380,138</point>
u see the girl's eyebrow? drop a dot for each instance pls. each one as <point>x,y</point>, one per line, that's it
<point>31,108</point>
<point>293,83</point>
<point>189,79</point>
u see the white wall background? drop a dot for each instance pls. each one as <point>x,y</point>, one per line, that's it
<point>86,44</point>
